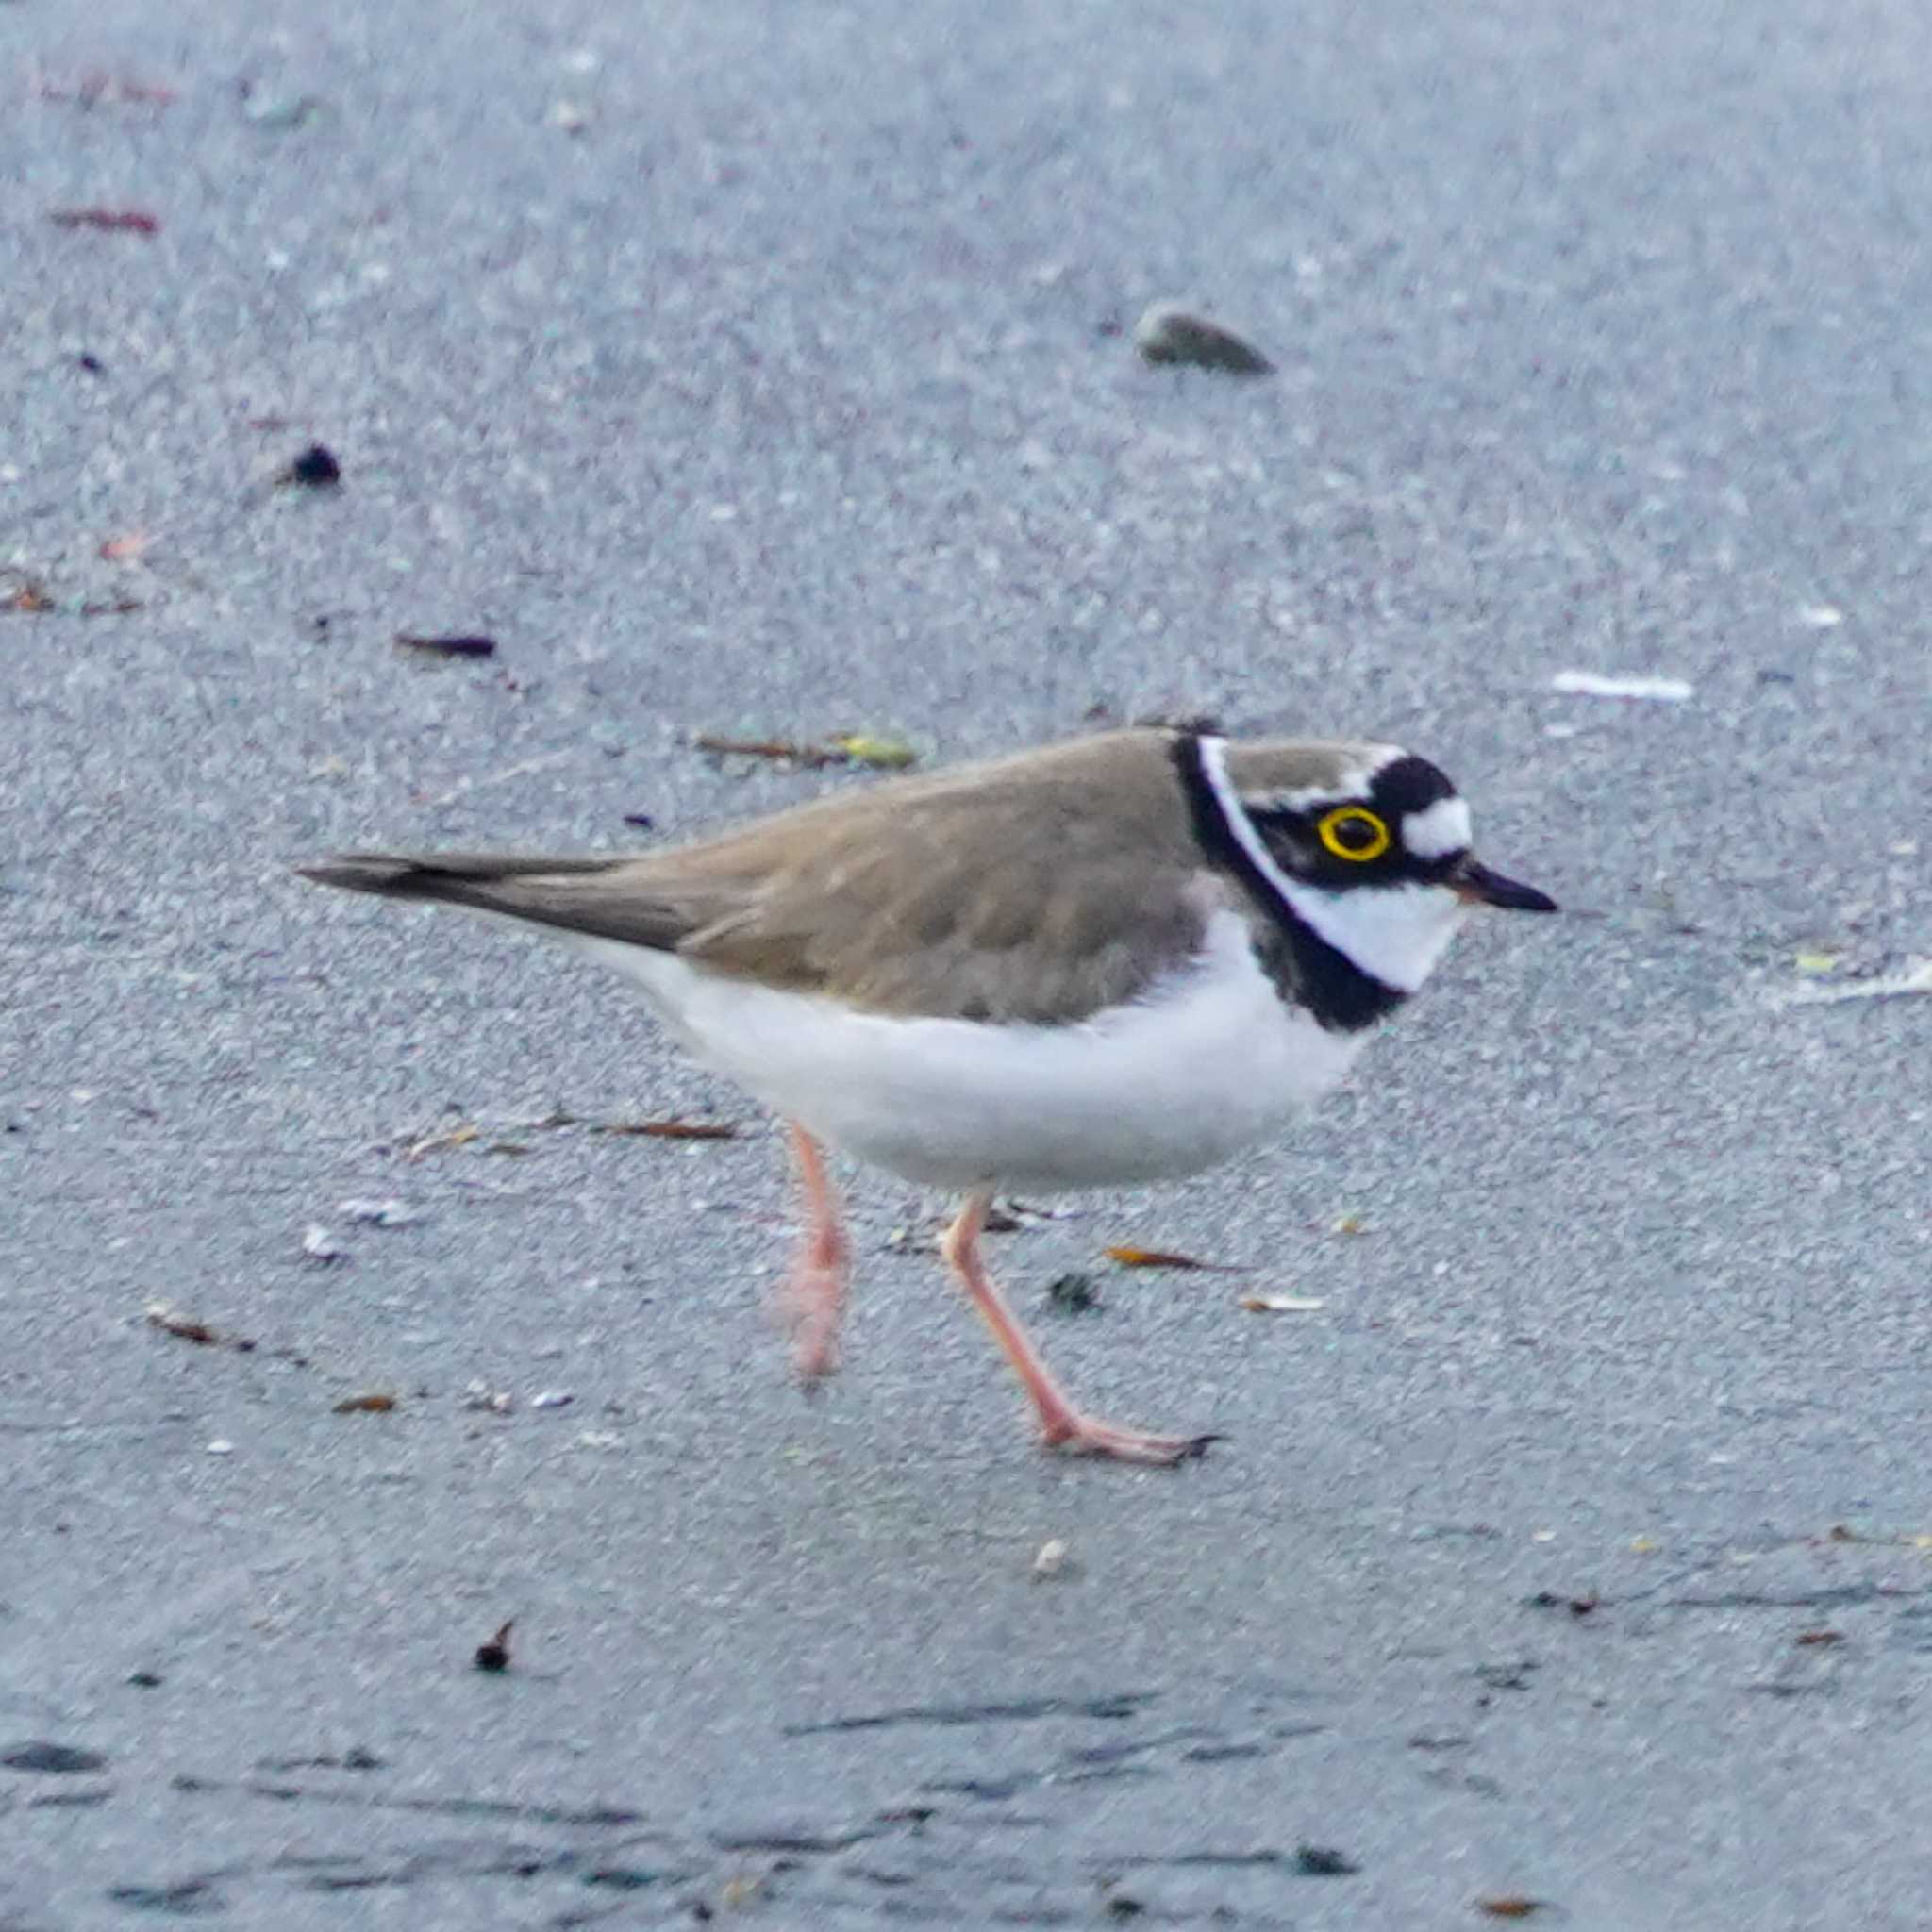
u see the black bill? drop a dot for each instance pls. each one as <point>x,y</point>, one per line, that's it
<point>1482,887</point>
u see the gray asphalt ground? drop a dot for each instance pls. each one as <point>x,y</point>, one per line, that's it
<point>759,368</point>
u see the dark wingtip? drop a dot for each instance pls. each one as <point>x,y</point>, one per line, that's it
<point>358,871</point>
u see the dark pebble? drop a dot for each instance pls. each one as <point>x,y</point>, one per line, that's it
<point>1320,1862</point>
<point>316,468</point>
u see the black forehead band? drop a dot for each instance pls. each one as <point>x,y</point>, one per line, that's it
<point>1409,784</point>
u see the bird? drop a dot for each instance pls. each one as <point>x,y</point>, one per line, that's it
<point>1112,961</point>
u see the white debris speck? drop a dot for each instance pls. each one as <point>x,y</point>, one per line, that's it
<point>572,117</point>
<point>480,1396</point>
<point>221,1446</point>
<point>1917,977</point>
<point>1052,1558</point>
<point>1593,684</point>
<point>320,1245</point>
<point>552,1398</point>
<point>600,1439</point>
<point>1282,1303</point>
<point>379,1213</point>
<point>1820,616</point>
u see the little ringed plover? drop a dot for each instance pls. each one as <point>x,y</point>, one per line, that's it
<point>1106,963</point>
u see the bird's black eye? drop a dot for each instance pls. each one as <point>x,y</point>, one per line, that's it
<point>1354,832</point>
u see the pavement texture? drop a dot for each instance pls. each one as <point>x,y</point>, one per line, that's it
<point>768,369</point>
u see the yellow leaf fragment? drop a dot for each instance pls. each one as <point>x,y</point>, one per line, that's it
<point>1162,1258</point>
<point>882,754</point>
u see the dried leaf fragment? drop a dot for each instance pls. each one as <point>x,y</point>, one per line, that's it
<point>96,87</point>
<point>462,645</point>
<point>127,220</point>
<point>127,548</point>
<point>1821,1639</point>
<point>378,1402</point>
<point>1579,1607</point>
<point>1167,332</point>
<point>494,1655</point>
<point>29,597</point>
<point>1281,1304</point>
<point>842,748</point>
<point>1162,1258</point>
<point>811,755</point>
<point>170,1322</point>
<point>672,1129</point>
<point>459,1136</point>
<point>1509,1905</point>
<point>881,754</point>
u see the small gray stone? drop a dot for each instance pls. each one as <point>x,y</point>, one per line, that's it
<point>1168,333</point>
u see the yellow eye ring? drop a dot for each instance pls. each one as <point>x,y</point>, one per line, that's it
<point>1354,832</point>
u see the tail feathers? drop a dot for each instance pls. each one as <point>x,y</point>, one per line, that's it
<point>452,876</point>
<point>596,896</point>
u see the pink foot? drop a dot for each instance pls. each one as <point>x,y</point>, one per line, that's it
<point>1061,1425</point>
<point>809,1307</point>
<point>812,1302</point>
<point>1082,1435</point>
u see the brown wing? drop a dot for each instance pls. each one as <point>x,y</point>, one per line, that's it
<point>1041,888</point>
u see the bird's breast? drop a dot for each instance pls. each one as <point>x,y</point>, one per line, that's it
<point>1209,1061</point>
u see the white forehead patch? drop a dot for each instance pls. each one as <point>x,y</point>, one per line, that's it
<point>1436,830</point>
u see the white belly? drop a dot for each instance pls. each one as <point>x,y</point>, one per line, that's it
<point>1208,1063</point>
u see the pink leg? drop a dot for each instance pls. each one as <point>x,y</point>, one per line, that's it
<point>1061,1425</point>
<point>813,1299</point>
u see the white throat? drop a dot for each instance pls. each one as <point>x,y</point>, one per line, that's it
<point>1397,934</point>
